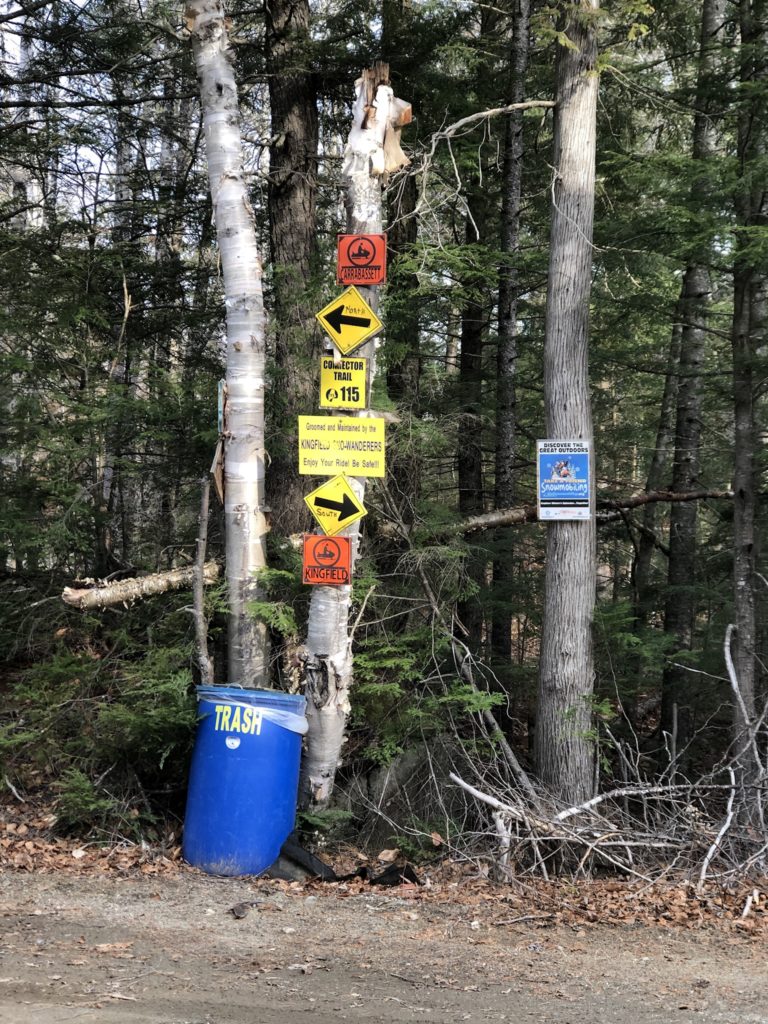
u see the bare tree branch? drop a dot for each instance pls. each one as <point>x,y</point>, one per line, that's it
<point>123,591</point>
<point>23,12</point>
<point>527,513</point>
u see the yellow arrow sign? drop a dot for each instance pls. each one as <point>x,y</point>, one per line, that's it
<point>349,320</point>
<point>335,505</point>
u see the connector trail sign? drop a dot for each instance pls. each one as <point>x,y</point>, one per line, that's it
<point>342,383</point>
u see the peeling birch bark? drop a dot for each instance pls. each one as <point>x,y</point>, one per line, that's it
<point>328,650</point>
<point>105,595</point>
<point>244,504</point>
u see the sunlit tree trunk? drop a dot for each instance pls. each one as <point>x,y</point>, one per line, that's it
<point>564,750</point>
<point>27,193</point>
<point>246,526</point>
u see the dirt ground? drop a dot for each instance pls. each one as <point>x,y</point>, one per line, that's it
<point>168,950</point>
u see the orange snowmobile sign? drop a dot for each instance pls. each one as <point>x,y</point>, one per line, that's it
<point>361,259</point>
<point>327,560</point>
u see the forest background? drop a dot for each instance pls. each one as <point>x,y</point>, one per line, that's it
<point>111,354</point>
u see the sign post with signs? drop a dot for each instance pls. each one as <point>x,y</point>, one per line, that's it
<point>563,469</point>
<point>341,444</point>
<point>361,259</point>
<point>349,321</point>
<point>335,505</point>
<point>327,560</point>
<point>342,383</point>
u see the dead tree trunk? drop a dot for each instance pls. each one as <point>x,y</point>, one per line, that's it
<point>328,654</point>
<point>244,504</point>
<point>564,752</point>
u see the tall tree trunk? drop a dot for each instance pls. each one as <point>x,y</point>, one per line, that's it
<point>246,525</point>
<point>564,752</point>
<point>166,358</point>
<point>27,191</point>
<point>640,571</point>
<point>506,354</point>
<point>328,650</point>
<point>115,488</point>
<point>405,466</point>
<point>403,340</point>
<point>469,453</point>
<point>641,564</point>
<point>748,336</point>
<point>292,205</point>
<point>25,213</point>
<point>679,615</point>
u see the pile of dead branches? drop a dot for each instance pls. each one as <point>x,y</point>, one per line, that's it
<point>642,831</point>
<point>486,808</point>
<point>713,827</point>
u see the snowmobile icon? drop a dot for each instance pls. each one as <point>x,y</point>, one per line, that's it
<point>328,554</point>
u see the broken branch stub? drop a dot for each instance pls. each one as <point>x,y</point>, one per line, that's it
<point>378,120</point>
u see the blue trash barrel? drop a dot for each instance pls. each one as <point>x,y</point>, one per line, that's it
<point>244,779</point>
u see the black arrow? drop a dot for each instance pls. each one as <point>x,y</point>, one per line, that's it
<point>346,507</point>
<point>336,318</point>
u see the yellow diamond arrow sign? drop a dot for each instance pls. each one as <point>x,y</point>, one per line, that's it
<point>335,505</point>
<point>349,321</point>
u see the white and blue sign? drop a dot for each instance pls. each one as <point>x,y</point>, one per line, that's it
<point>563,479</point>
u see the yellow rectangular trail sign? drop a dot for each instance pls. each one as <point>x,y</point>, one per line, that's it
<point>349,320</point>
<point>329,445</point>
<point>342,383</point>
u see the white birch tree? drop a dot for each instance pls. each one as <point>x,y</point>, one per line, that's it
<point>244,503</point>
